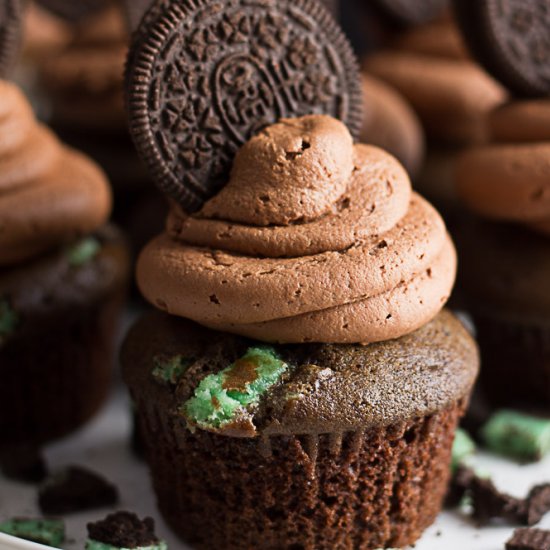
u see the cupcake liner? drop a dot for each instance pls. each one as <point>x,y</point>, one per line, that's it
<point>371,488</point>
<point>55,378</point>
<point>515,359</point>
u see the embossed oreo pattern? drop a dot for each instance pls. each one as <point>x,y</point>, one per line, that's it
<point>135,9</point>
<point>208,74</point>
<point>511,38</point>
<point>413,12</point>
<point>11,14</point>
<point>74,10</point>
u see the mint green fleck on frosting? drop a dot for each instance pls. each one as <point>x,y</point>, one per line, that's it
<point>8,320</point>
<point>220,398</point>
<point>96,545</point>
<point>83,251</point>
<point>517,435</point>
<point>170,370</point>
<point>463,448</point>
<point>50,532</point>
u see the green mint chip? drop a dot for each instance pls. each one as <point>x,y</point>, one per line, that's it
<point>83,251</point>
<point>50,532</point>
<point>517,435</point>
<point>220,398</point>
<point>463,447</point>
<point>170,370</point>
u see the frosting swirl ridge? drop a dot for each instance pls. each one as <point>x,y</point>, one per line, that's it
<point>49,194</point>
<point>313,239</point>
<point>508,179</point>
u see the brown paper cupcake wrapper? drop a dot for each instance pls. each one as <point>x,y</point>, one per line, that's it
<point>515,361</point>
<point>54,380</point>
<point>366,489</point>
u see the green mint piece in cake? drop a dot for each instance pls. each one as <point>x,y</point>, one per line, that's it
<point>220,398</point>
<point>96,545</point>
<point>517,435</point>
<point>169,370</point>
<point>83,251</point>
<point>50,532</point>
<point>463,447</point>
<point>8,319</point>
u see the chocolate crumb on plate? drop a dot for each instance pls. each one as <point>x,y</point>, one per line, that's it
<point>537,504</point>
<point>74,489</point>
<point>202,80</point>
<point>489,503</point>
<point>11,16</point>
<point>460,484</point>
<point>24,464</point>
<point>124,530</point>
<point>529,539</point>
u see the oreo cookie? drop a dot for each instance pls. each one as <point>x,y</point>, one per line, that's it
<point>412,12</point>
<point>511,39</point>
<point>204,76</point>
<point>135,9</point>
<point>74,10</point>
<point>11,16</point>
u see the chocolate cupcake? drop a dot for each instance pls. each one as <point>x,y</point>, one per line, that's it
<point>62,279</point>
<point>505,183</point>
<point>451,94</point>
<point>506,267</point>
<point>314,403</point>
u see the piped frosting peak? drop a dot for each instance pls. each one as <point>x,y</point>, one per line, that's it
<point>49,194</point>
<point>312,240</point>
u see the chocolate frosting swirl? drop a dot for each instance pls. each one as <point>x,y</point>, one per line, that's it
<point>312,240</point>
<point>508,178</point>
<point>49,194</point>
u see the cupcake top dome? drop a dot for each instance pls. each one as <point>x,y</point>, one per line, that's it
<point>313,239</point>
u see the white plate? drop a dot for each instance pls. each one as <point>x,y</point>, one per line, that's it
<point>103,447</point>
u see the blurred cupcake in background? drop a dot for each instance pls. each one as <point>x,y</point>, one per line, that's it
<point>79,92</point>
<point>505,184</point>
<point>63,275</point>
<point>450,93</point>
<point>505,251</point>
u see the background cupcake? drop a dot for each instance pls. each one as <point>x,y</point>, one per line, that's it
<point>80,91</point>
<point>450,93</point>
<point>505,182</point>
<point>506,267</point>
